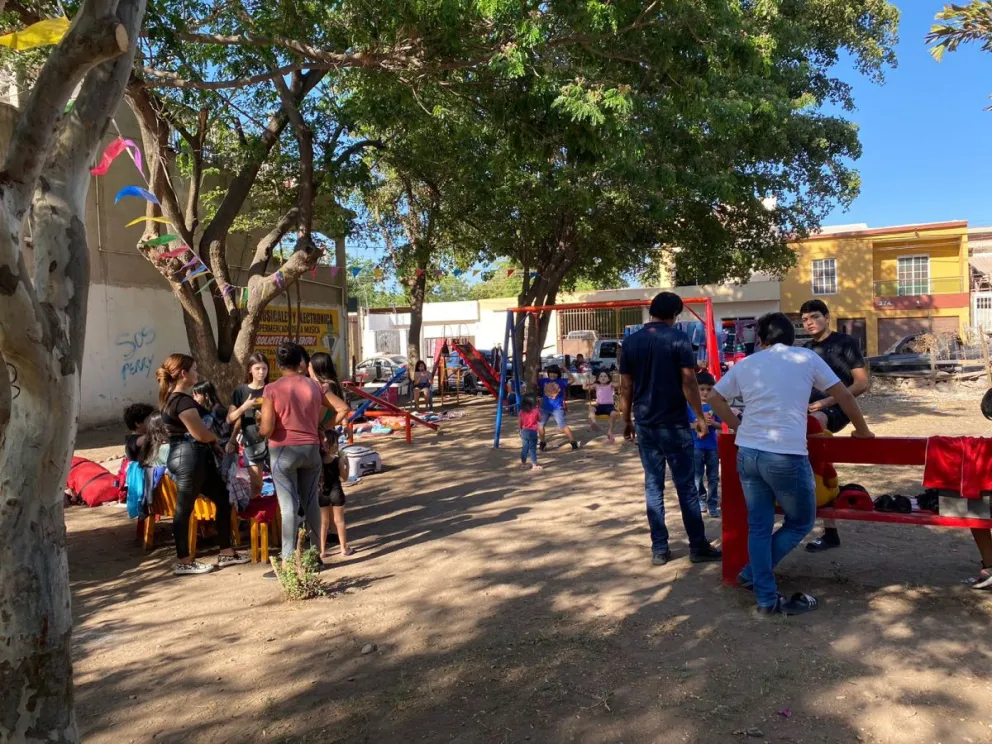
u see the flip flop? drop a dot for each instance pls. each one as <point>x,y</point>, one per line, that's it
<point>981,582</point>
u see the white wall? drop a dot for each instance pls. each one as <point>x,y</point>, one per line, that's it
<point>129,332</point>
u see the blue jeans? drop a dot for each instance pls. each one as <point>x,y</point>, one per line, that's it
<point>529,438</point>
<point>768,478</point>
<point>671,445</point>
<point>708,478</point>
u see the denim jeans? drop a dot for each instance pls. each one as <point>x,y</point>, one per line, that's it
<point>529,438</point>
<point>671,445</point>
<point>768,478</point>
<point>296,472</point>
<point>708,478</point>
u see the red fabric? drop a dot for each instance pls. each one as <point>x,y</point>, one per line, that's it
<point>262,510</point>
<point>530,419</point>
<point>297,403</point>
<point>962,464</point>
<point>93,483</point>
<point>853,498</point>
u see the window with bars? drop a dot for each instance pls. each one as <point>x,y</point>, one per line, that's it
<point>913,275</point>
<point>825,276</point>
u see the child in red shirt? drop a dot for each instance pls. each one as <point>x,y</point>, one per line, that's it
<point>530,418</point>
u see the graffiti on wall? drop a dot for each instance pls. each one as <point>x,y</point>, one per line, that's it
<point>137,356</point>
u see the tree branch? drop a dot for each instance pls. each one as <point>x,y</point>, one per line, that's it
<point>164,79</point>
<point>89,42</point>
<point>263,251</point>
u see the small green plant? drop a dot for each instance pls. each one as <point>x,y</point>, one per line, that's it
<point>299,576</point>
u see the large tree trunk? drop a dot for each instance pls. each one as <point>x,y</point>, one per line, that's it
<point>42,325</point>
<point>417,292</point>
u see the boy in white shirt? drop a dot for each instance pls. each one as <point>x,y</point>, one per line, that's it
<point>772,458</point>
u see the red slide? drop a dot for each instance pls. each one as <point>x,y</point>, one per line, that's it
<point>386,405</point>
<point>482,369</point>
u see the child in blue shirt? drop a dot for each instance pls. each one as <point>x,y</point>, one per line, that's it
<point>707,461</point>
<point>553,388</point>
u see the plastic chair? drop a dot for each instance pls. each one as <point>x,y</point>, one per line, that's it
<point>205,510</point>
<point>265,516</point>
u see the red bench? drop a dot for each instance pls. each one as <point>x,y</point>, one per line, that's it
<point>838,450</point>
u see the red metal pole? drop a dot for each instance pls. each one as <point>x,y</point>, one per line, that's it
<point>734,542</point>
<point>712,350</point>
<point>409,430</point>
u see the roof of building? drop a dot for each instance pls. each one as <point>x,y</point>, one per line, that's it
<point>859,231</point>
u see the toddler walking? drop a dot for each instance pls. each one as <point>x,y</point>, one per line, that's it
<point>706,460</point>
<point>530,418</point>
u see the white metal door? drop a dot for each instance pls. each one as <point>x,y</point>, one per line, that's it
<point>981,310</point>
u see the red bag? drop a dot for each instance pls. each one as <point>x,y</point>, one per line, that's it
<point>92,483</point>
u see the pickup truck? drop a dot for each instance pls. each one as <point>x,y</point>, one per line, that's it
<point>903,359</point>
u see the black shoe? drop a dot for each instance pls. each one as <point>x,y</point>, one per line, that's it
<point>706,554</point>
<point>797,604</point>
<point>575,445</point>
<point>542,446</point>
<point>660,559</point>
<point>824,542</point>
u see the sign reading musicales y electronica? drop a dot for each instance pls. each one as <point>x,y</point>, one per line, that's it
<point>314,328</point>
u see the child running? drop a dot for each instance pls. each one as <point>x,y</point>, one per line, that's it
<point>553,388</point>
<point>604,405</point>
<point>529,419</point>
<point>706,460</point>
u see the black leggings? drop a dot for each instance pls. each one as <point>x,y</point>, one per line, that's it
<point>194,471</point>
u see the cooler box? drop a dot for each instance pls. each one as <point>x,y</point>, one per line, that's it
<point>361,460</point>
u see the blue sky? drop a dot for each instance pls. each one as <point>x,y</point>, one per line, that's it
<point>927,142</point>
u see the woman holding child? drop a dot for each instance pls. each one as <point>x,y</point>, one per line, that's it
<point>192,463</point>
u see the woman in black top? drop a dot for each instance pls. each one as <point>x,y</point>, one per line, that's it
<point>192,464</point>
<point>243,415</point>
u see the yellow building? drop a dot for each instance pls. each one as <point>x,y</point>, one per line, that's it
<point>882,284</point>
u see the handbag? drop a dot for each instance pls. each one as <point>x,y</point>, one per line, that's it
<point>256,448</point>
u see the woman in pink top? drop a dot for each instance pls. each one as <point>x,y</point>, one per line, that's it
<point>604,402</point>
<point>291,412</point>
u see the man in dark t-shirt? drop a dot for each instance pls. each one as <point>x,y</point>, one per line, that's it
<point>843,355</point>
<point>658,378</point>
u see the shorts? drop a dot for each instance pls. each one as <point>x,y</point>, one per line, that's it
<point>558,415</point>
<point>836,419</point>
<point>422,385</point>
<point>605,409</point>
<point>331,492</point>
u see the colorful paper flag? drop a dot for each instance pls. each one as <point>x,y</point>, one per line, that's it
<point>191,263</point>
<point>135,191</point>
<point>160,220</point>
<point>173,254</point>
<point>533,275</point>
<point>457,272</point>
<point>279,279</point>
<point>43,33</point>
<point>377,274</point>
<point>161,240</point>
<point>356,271</point>
<point>476,272</point>
<point>206,284</point>
<point>335,270</point>
<point>313,274</point>
<point>114,149</point>
<point>420,273</point>
<point>510,272</point>
<point>195,272</point>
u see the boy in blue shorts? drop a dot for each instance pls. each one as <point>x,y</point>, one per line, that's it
<point>553,387</point>
<point>706,460</point>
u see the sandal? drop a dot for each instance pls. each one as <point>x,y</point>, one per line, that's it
<point>982,582</point>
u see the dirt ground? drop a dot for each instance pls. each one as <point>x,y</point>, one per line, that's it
<point>512,607</point>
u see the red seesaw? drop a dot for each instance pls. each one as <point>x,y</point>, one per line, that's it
<point>389,410</point>
<point>837,450</point>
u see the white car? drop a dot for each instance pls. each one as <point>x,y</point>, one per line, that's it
<point>380,368</point>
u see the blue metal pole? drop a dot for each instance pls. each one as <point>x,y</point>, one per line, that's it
<point>501,398</point>
<point>517,370</point>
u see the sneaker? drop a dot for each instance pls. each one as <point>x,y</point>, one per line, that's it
<point>192,569</point>
<point>232,560</point>
<point>542,446</point>
<point>660,559</point>
<point>575,445</point>
<point>714,513</point>
<point>826,541</point>
<point>706,554</point>
<point>798,604</point>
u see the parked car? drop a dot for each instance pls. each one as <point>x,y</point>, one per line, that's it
<point>605,355</point>
<point>905,358</point>
<point>379,368</point>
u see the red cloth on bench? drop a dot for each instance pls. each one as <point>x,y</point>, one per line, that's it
<point>962,464</point>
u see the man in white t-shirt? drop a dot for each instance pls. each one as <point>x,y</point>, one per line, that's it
<point>772,459</point>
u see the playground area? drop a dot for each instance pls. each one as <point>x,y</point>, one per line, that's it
<point>487,604</point>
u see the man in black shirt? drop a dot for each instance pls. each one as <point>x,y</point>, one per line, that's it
<point>843,355</point>
<point>658,379</point>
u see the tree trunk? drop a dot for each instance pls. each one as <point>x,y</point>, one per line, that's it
<point>42,326</point>
<point>417,292</point>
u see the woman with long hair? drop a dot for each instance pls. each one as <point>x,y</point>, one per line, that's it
<point>291,415</point>
<point>242,414</point>
<point>331,499</point>
<point>192,464</point>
